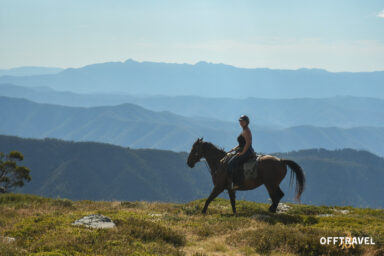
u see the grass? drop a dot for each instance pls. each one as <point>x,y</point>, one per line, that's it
<point>42,226</point>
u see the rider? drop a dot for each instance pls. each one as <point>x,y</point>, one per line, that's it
<point>243,151</point>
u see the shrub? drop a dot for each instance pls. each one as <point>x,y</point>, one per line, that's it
<point>146,230</point>
<point>62,202</point>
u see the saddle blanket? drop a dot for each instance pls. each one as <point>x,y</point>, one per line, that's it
<point>250,167</point>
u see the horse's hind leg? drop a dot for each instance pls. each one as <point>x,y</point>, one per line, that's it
<point>280,193</point>
<point>232,197</point>
<point>215,192</point>
<point>276,194</point>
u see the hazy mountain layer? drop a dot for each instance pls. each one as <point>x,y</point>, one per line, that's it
<point>29,71</point>
<point>336,111</point>
<point>206,79</point>
<point>134,126</point>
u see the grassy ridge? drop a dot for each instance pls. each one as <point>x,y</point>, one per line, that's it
<point>42,226</point>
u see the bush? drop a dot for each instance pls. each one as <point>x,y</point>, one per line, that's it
<point>22,200</point>
<point>62,202</point>
<point>127,204</point>
<point>146,230</point>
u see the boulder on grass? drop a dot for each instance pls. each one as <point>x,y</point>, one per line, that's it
<point>95,221</point>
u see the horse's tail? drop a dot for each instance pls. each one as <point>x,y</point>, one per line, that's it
<point>300,178</point>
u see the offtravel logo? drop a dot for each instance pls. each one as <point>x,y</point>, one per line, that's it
<point>347,241</point>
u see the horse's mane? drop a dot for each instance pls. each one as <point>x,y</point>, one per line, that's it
<point>212,146</point>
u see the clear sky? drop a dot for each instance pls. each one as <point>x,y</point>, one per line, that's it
<point>337,35</point>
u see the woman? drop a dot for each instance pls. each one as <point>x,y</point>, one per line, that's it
<point>244,151</point>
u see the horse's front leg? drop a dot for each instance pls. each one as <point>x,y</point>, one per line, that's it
<point>215,192</point>
<point>232,197</point>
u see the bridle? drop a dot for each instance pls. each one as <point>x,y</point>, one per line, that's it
<point>197,154</point>
<point>198,157</point>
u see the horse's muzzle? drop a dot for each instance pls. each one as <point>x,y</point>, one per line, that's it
<point>190,164</point>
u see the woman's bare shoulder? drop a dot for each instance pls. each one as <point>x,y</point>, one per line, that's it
<point>247,132</point>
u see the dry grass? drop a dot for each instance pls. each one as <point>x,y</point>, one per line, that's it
<point>42,226</point>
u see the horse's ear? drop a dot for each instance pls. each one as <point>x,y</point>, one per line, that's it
<point>201,139</point>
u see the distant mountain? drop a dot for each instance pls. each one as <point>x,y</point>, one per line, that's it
<point>134,126</point>
<point>87,170</point>
<point>206,79</point>
<point>126,125</point>
<point>340,111</point>
<point>29,71</point>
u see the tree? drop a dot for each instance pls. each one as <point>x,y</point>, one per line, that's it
<point>12,175</point>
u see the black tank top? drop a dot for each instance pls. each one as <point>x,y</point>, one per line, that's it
<point>242,142</point>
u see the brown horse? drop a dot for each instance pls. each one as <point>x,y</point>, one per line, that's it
<point>271,171</point>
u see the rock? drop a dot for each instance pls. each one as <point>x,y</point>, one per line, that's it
<point>155,214</point>
<point>341,211</point>
<point>324,215</point>
<point>7,239</point>
<point>283,207</point>
<point>95,221</point>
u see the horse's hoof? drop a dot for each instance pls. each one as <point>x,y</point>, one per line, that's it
<point>272,210</point>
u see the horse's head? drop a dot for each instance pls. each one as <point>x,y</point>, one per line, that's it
<point>196,153</point>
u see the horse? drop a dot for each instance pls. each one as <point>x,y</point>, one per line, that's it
<point>271,171</point>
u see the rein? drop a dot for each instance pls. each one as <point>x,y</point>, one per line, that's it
<point>208,169</point>
<point>206,153</point>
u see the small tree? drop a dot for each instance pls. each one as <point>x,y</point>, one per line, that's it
<point>11,175</point>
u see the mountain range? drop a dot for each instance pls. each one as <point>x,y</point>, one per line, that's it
<point>137,127</point>
<point>126,124</point>
<point>206,79</point>
<point>98,171</point>
<point>162,107</point>
<point>29,71</point>
<point>339,111</point>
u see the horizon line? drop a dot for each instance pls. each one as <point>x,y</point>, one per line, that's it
<point>186,63</point>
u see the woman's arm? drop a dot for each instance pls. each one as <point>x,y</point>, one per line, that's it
<point>248,139</point>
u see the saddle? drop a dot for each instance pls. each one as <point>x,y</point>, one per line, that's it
<point>250,167</point>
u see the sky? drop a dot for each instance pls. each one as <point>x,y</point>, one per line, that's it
<point>336,35</point>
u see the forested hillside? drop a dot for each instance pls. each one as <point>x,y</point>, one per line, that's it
<point>88,170</point>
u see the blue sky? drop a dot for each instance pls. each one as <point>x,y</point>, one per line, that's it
<point>342,35</point>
